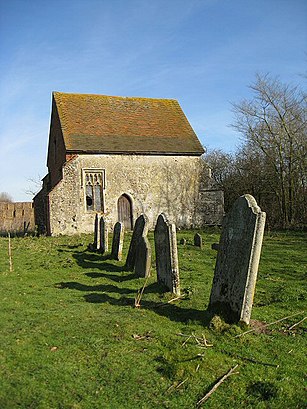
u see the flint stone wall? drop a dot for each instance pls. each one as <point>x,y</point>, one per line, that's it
<point>180,186</point>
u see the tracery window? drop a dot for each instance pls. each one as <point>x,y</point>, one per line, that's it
<point>94,185</point>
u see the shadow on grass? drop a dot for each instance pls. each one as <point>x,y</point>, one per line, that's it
<point>73,285</point>
<point>69,246</point>
<point>98,292</point>
<point>96,260</point>
<point>173,312</point>
<point>114,277</point>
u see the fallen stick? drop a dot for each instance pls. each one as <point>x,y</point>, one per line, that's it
<point>137,300</point>
<point>271,323</point>
<point>163,304</point>
<point>201,341</point>
<point>181,383</point>
<point>184,342</point>
<point>207,396</point>
<point>175,299</point>
<point>297,323</point>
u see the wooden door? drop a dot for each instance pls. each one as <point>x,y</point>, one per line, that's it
<point>125,211</point>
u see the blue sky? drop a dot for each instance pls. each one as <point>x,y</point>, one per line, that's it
<point>204,53</point>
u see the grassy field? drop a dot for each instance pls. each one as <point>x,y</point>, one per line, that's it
<point>72,338</point>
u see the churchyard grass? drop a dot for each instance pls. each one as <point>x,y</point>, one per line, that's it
<point>72,338</point>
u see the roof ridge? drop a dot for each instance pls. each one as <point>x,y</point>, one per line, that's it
<point>59,93</point>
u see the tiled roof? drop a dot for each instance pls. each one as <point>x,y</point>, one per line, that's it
<point>107,124</point>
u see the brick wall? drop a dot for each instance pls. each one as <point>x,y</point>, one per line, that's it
<point>16,217</point>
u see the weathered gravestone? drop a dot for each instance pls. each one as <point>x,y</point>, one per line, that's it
<point>140,230</point>
<point>215,246</point>
<point>237,261</point>
<point>166,254</point>
<point>117,242</point>
<point>96,243</point>
<point>104,236</point>
<point>143,257</point>
<point>198,240</point>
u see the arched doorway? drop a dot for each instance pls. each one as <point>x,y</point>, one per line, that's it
<point>124,207</point>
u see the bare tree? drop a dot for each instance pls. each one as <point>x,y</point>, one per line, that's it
<point>273,124</point>
<point>34,187</point>
<point>5,197</point>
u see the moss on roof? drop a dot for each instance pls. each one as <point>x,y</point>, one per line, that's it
<point>109,124</point>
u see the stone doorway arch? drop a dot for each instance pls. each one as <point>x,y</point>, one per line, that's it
<point>124,208</point>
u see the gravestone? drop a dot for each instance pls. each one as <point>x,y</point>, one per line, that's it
<point>198,240</point>
<point>215,246</point>
<point>96,243</point>
<point>166,254</point>
<point>140,229</point>
<point>143,257</point>
<point>104,236</point>
<point>237,261</point>
<point>117,242</point>
<point>183,241</point>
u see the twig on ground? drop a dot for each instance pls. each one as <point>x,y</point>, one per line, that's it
<point>297,323</point>
<point>271,323</point>
<point>175,299</point>
<point>184,342</point>
<point>146,336</point>
<point>205,342</point>
<point>181,383</point>
<point>212,390</point>
<point>10,253</point>
<point>163,304</point>
<point>201,341</point>
<point>137,300</point>
<point>177,386</point>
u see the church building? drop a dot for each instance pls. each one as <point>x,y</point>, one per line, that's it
<point>120,157</point>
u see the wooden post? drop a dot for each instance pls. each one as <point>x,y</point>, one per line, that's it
<point>10,253</point>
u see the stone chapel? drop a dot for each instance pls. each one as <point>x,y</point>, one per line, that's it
<point>120,157</point>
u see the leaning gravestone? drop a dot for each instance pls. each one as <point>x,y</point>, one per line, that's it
<point>140,229</point>
<point>117,242</point>
<point>166,254</point>
<point>198,240</point>
<point>96,243</point>
<point>104,236</point>
<point>143,257</point>
<point>237,261</point>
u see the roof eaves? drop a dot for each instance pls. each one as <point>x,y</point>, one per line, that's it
<point>151,153</point>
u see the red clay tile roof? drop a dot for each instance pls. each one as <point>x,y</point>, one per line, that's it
<point>106,124</point>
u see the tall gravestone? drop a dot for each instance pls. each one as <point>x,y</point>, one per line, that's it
<point>118,240</point>
<point>143,257</point>
<point>96,243</point>
<point>237,261</point>
<point>104,236</point>
<point>198,240</point>
<point>140,229</point>
<point>166,254</point>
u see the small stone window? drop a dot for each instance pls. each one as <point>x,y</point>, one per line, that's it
<point>94,185</point>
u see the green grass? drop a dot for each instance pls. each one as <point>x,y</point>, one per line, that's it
<point>72,338</point>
